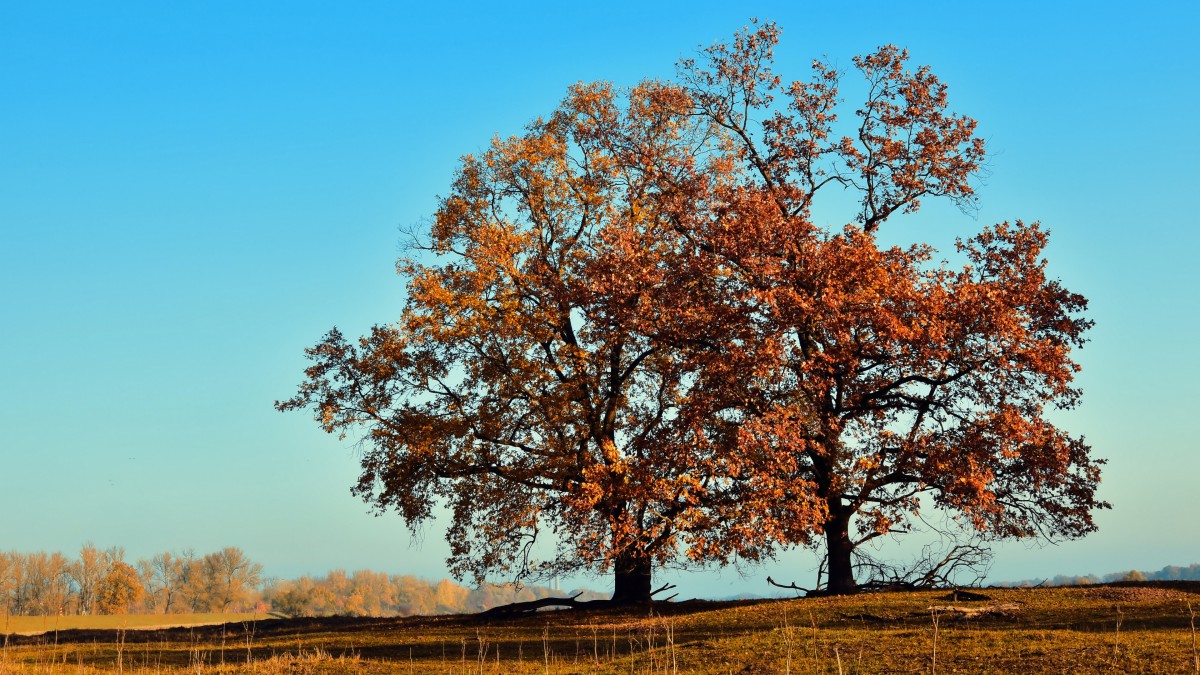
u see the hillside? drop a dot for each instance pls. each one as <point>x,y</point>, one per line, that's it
<point>1142,627</point>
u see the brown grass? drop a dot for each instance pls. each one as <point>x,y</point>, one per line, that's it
<point>30,625</point>
<point>1033,631</point>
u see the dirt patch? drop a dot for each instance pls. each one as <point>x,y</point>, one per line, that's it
<point>127,629</point>
<point>959,595</point>
<point>1135,594</point>
<point>872,618</point>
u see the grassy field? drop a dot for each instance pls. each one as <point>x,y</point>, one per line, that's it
<point>1128,628</point>
<point>44,624</point>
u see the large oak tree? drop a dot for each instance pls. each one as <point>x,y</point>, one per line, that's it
<point>526,383</point>
<point>876,381</point>
<point>625,329</point>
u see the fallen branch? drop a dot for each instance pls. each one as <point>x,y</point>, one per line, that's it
<point>1007,610</point>
<point>529,606</point>
<point>927,571</point>
<point>958,595</point>
<point>572,602</point>
<point>791,586</point>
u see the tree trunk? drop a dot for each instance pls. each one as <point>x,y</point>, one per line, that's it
<point>839,548</point>
<point>632,578</point>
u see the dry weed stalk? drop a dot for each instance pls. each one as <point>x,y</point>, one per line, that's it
<point>595,643</point>
<point>813,620</point>
<point>671,646</point>
<point>120,648</point>
<point>789,640</point>
<point>1195,653</point>
<point>482,650</point>
<point>933,665</point>
<point>1117,637</point>
<point>248,635</point>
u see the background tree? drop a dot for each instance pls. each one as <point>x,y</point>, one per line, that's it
<point>291,597</point>
<point>43,585</point>
<point>11,574</point>
<point>193,582</point>
<point>230,579</point>
<point>119,590</point>
<point>449,595</point>
<point>87,571</point>
<point>162,576</point>
<point>874,381</point>
<point>413,596</point>
<point>371,594</point>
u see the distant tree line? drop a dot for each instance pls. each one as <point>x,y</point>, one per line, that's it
<point>1168,573</point>
<point>367,593</point>
<point>100,581</point>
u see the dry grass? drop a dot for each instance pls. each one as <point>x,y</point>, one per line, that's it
<point>1052,630</point>
<point>45,624</point>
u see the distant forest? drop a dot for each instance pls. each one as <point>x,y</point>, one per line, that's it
<point>1168,573</point>
<point>100,581</point>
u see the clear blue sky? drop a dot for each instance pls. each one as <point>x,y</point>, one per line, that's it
<point>191,193</point>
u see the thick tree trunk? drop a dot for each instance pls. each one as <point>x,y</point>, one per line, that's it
<point>632,579</point>
<point>839,548</point>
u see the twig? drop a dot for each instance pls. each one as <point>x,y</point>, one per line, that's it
<point>665,587</point>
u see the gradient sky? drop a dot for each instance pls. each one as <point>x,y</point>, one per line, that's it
<point>191,193</point>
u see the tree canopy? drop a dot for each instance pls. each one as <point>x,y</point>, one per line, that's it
<point>119,590</point>
<point>625,329</point>
<point>874,377</point>
<point>526,383</point>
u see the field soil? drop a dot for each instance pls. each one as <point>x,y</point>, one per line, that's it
<point>1119,628</point>
<point>38,625</point>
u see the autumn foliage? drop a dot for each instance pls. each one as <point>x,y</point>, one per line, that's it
<point>119,590</point>
<point>625,330</point>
